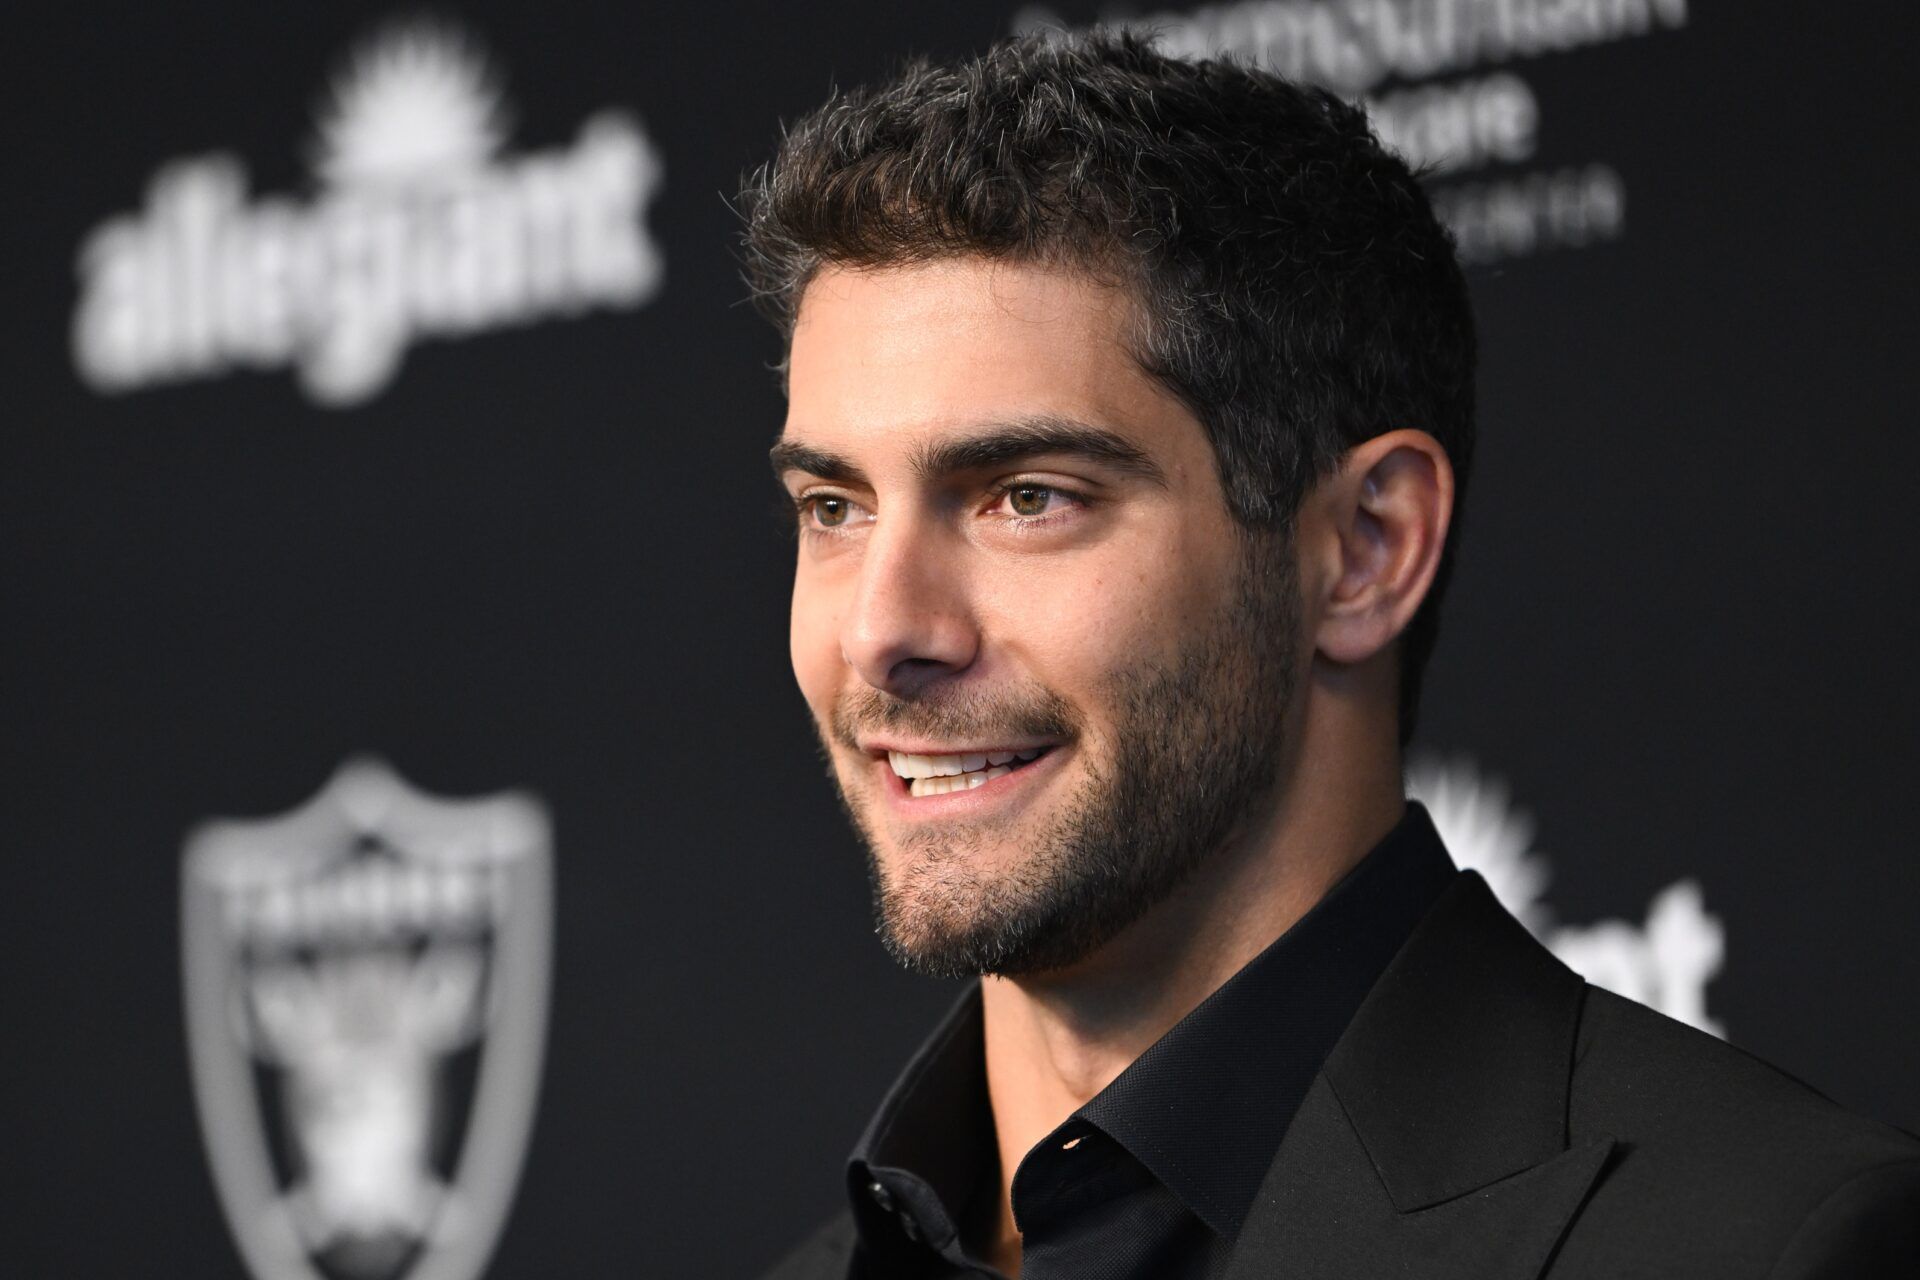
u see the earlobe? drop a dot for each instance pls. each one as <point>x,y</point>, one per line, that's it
<point>1390,505</point>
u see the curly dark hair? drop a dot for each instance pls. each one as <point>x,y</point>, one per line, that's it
<point>1296,290</point>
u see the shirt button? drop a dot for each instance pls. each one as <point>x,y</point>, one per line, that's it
<point>881,1196</point>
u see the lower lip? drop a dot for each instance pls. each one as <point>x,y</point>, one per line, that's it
<point>1008,788</point>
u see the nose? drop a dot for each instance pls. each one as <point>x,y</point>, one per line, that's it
<point>909,625</point>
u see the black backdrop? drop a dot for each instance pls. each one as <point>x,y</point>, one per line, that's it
<point>542,558</point>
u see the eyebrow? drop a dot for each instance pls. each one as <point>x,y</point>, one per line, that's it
<point>791,455</point>
<point>994,446</point>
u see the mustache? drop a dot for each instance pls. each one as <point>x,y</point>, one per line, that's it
<point>1024,713</point>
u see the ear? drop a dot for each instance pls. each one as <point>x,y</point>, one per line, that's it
<point>1379,524</point>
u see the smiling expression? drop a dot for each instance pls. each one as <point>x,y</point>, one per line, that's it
<point>1048,668</point>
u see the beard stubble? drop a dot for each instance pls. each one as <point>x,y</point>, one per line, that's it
<point>1196,746</point>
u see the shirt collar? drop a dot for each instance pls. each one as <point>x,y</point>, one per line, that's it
<point>929,1148</point>
<point>1205,1107</point>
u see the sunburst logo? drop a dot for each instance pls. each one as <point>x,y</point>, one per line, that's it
<point>417,103</point>
<point>424,225</point>
<point>1486,833</point>
<point>1665,963</point>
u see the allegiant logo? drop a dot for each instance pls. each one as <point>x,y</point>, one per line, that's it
<point>419,227</point>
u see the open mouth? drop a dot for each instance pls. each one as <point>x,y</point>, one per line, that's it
<point>937,775</point>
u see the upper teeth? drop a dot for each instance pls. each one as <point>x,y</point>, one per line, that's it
<point>912,766</point>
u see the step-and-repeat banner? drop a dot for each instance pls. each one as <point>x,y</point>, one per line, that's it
<point>420,864</point>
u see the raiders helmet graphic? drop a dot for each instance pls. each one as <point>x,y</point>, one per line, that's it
<point>366,983</point>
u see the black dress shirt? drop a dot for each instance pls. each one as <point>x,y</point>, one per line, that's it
<point>1154,1176</point>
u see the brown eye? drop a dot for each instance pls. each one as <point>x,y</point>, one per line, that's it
<point>1029,499</point>
<point>830,512</point>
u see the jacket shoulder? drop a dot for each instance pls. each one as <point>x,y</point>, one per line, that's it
<point>1869,1226</point>
<point>824,1255</point>
<point>1730,1155</point>
<point>1645,1077</point>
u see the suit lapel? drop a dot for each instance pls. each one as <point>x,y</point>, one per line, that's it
<point>1434,1143</point>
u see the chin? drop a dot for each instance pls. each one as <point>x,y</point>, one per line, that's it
<point>948,913</point>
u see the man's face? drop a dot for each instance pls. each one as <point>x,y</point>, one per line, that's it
<point>1049,670</point>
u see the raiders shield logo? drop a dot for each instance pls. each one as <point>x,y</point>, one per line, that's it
<point>366,983</point>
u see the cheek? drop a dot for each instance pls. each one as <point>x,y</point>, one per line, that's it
<point>813,644</point>
<point>1079,621</point>
<point>1079,626</point>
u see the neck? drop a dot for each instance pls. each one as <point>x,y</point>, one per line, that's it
<point>1056,1039</point>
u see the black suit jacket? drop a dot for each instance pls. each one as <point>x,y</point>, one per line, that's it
<point>1489,1116</point>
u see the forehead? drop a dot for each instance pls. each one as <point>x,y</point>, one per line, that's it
<point>883,358</point>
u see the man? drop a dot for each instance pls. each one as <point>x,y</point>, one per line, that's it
<point>1130,412</point>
